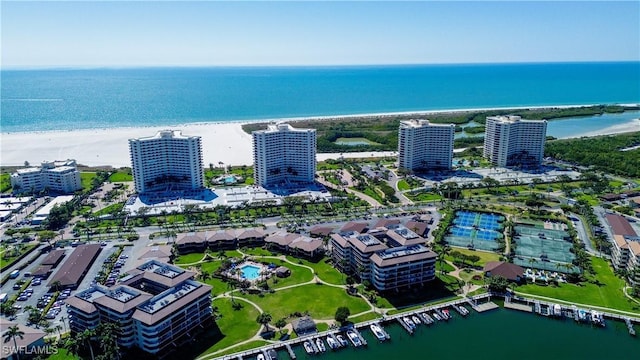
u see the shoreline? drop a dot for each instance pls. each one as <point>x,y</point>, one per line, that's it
<point>224,142</point>
<point>326,117</point>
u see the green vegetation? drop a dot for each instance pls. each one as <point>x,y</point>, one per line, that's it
<point>188,258</point>
<point>382,131</point>
<point>5,182</point>
<point>602,289</point>
<point>602,152</point>
<point>121,175</point>
<point>474,129</point>
<point>86,179</point>
<point>312,298</point>
<point>236,324</point>
<point>354,141</point>
<point>484,256</point>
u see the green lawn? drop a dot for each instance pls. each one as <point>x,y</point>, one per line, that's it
<point>403,185</point>
<point>235,325</point>
<point>606,293</point>
<point>188,258</point>
<point>63,354</point>
<point>121,176</point>
<point>324,269</point>
<point>5,182</point>
<point>484,256</point>
<point>85,179</point>
<point>247,346</point>
<point>110,209</point>
<point>320,301</point>
<point>364,317</point>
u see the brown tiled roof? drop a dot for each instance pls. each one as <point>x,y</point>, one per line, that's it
<point>340,240</point>
<point>386,222</point>
<point>634,246</point>
<point>157,251</point>
<point>354,226</point>
<point>507,270</point>
<point>75,265</point>
<point>153,318</point>
<point>394,260</point>
<point>53,258</point>
<point>42,270</point>
<point>306,244</point>
<point>85,306</point>
<point>404,241</point>
<point>157,278</point>
<point>191,238</point>
<point>418,227</point>
<point>364,248</point>
<point>321,230</point>
<point>29,337</point>
<point>254,233</point>
<point>620,225</point>
<point>222,235</point>
<point>620,241</point>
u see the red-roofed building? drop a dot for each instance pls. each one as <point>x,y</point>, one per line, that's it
<point>507,270</point>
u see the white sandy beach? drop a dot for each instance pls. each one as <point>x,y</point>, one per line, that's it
<point>222,142</point>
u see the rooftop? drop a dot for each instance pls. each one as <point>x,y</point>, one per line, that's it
<point>417,123</point>
<point>510,119</point>
<point>76,264</point>
<point>167,134</point>
<point>402,254</point>
<point>620,225</point>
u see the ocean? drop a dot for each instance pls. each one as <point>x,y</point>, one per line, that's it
<point>67,99</point>
<point>498,334</point>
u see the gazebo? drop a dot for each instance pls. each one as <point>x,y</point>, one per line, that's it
<point>304,325</point>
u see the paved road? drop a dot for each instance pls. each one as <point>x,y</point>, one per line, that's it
<point>583,233</point>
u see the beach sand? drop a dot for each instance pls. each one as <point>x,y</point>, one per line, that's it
<point>221,142</point>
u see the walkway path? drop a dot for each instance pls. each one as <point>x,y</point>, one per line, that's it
<point>614,311</point>
<point>373,202</point>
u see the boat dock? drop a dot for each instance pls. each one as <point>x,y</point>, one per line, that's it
<point>521,307</point>
<point>405,326</point>
<point>292,354</point>
<point>632,331</point>
<point>362,339</point>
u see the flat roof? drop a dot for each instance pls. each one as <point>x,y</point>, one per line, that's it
<point>402,254</point>
<point>76,264</point>
<point>159,272</point>
<point>58,200</point>
<point>169,301</point>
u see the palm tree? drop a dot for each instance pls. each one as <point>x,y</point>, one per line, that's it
<point>264,319</point>
<point>85,338</point>
<point>109,340</point>
<point>58,328</point>
<point>56,285</point>
<point>12,334</point>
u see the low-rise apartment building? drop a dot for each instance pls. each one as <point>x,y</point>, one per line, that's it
<point>55,176</point>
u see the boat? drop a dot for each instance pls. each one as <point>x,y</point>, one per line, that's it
<point>445,312</point>
<point>333,343</point>
<point>377,331</point>
<point>582,315</point>
<point>308,347</point>
<point>409,323</point>
<point>260,357</point>
<point>427,319</point>
<point>416,320</point>
<point>353,336</point>
<point>557,310</point>
<point>597,318</point>
<point>342,340</point>
<point>272,354</point>
<point>320,345</point>
<point>462,310</point>
<point>437,316</point>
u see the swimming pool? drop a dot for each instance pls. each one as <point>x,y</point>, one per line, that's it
<point>250,272</point>
<point>230,180</point>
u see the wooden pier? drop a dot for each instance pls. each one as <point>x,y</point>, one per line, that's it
<point>632,331</point>
<point>292,354</point>
<point>516,306</point>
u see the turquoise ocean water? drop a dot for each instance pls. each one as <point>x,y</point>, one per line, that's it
<point>35,100</point>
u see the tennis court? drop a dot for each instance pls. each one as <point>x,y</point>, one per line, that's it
<point>542,248</point>
<point>476,230</point>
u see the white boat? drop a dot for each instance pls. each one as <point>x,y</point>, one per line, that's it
<point>377,331</point>
<point>353,336</point>
<point>437,316</point>
<point>427,319</point>
<point>272,354</point>
<point>445,312</point>
<point>409,323</point>
<point>260,357</point>
<point>582,315</point>
<point>333,343</point>
<point>342,340</point>
<point>308,347</point>
<point>557,310</point>
<point>416,320</point>
<point>320,345</point>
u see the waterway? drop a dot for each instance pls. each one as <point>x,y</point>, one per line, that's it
<point>498,334</point>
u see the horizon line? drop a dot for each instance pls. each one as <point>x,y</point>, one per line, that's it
<point>168,66</point>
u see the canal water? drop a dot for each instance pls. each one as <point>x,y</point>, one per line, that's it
<point>497,334</point>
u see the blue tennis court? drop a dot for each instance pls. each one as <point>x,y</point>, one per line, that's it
<point>476,230</point>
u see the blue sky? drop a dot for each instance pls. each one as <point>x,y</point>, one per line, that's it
<point>208,33</point>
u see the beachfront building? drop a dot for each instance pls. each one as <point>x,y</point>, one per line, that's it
<point>423,145</point>
<point>390,258</point>
<point>513,141</point>
<point>56,176</point>
<point>157,306</point>
<point>284,155</point>
<point>167,161</point>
